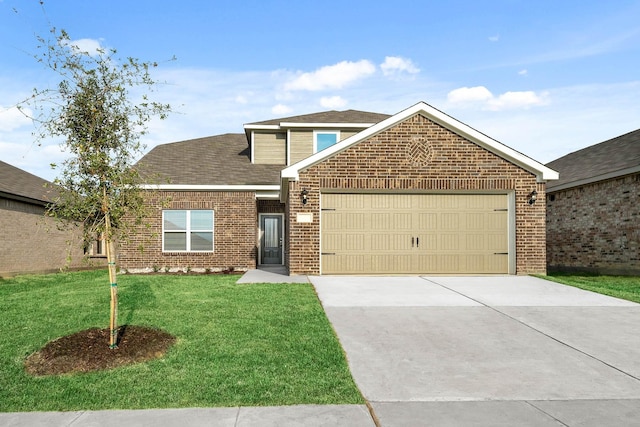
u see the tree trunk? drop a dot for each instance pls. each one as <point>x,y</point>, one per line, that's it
<point>111,261</point>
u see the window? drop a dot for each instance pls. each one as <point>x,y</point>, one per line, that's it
<point>324,139</point>
<point>187,231</point>
<point>96,248</point>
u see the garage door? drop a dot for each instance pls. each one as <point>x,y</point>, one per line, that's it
<point>414,233</point>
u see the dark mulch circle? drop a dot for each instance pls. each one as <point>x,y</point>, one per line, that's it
<point>88,350</point>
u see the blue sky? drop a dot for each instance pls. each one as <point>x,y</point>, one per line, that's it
<point>543,77</point>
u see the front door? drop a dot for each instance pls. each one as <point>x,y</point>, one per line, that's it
<point>271,239</point>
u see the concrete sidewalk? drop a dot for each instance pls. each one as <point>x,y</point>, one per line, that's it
<point>300,415</point>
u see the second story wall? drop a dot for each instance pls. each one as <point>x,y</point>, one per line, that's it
<point>270,148</point>
<point>301,145</point>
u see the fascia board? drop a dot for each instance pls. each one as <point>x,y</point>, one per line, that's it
<point>542,172</point>
<point>261,127</point>
<point>271,194</point>
<point>591,180</point>
<point>183,187</point>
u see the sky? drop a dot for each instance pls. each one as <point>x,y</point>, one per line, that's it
<point>543,77</point>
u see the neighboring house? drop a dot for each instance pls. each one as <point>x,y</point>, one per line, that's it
<point>593,210</point>
<point>346,192</point>
<point>30,242</point>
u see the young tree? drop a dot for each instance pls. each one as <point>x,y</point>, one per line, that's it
<point>92,110</point>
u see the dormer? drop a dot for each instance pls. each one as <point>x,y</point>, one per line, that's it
<point>288,140</point>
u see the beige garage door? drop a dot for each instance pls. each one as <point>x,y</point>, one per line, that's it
<point>414,233</point>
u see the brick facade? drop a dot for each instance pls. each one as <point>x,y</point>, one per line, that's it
<point>235,231</point>
<point>416,155</point>
<point>594,227</point>
<point>30,242</point>
<point>270,206</point>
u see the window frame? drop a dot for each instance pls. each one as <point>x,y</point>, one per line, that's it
<point>319,132</point>
<point>188,231</point>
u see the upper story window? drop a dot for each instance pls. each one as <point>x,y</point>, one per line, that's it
<point>187,231</point>
<point>324,139</point>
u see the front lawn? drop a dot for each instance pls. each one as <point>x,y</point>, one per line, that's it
<point>625,287</point>
<point>238,345</point>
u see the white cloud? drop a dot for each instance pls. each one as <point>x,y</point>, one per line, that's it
<point>90,46</point>
<point>332,76</point>
<point>517,100</point>
<point>494,38</point>
<point>280,109</point>
<point>523,72</point>
<point>480,95</point>
<point>12,118</point>
<point>393,65</point>
<point>465,95</point>
<point>333,102</point>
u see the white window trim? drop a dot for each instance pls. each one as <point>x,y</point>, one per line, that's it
<point>188,231</point>
<point>315,137</point>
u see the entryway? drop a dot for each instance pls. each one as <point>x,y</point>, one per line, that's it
<point>271,239</point>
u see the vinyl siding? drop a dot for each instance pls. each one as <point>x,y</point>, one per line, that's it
<point>301,145</point>
<point>269,148</point>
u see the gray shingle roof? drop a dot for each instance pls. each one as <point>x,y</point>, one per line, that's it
<point>214,160</point>
<point>15,182</point>
<point>611,157</point>
<point>347,116</point>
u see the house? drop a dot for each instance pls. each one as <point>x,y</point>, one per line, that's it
<point>348,192</point>
<point>31,242</point>
<point>593,210</point>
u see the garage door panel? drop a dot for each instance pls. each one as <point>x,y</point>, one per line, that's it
<point>390,242</point>
<point>380,221</point>
<point>449,221</point>
<point>427,220</point>
<point>414,233</point>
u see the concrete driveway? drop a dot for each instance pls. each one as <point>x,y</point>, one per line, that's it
<point>506,350</point>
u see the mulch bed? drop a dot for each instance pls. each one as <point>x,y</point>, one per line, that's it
<point>88,350</point>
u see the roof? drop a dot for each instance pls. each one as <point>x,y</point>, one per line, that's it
<point>542,172</point>
<point>214,160</point>
<point>327,117</point>
<point>615,157</point>
<point>16,183</point>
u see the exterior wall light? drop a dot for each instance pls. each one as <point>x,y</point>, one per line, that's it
<point>532,197</point>
<point>304,196</point>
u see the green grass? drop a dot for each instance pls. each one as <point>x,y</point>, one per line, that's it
<point>625,287</point>
<point>238,345</point>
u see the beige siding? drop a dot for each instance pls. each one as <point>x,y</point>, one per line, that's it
<point>301,145</point>
<point>414,233</point>
<point>269,148</point>
<point>347,133</point>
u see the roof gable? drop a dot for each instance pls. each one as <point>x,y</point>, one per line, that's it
<point>615,157</point>
<point>542,172</point>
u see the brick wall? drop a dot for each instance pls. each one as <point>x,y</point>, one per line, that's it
<point>235,230</point>
<point>270,206</point>
<point>32,243</point>
<point>416,155</point>
<point>595,227</point>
